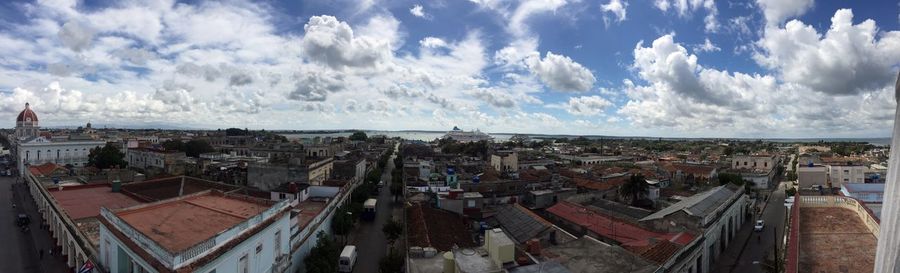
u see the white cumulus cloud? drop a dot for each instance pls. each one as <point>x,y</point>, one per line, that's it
<point>561,73</point>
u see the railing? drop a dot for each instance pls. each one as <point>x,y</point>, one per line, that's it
<point>187,255</point>
<point>175,260</point>
<point>158,252</point>
<point>872,223</point>
<point>792,256</point>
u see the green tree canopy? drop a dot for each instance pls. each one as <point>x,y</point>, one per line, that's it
<point>392,231</point>
<point>358,136</point>
<point>391,263</point>
<point>106,157</point>
<point>195,147</point>
<point>323,257</point>
<point>636,188</point>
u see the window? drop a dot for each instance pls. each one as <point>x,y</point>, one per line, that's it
<point>277,243</point>
<point>243,265</point>
<point>470,203</point>
<point>259,248</point>
<point>745,163</point>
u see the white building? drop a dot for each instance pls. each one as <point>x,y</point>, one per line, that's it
<point>205,232</point>
<point>146,158</point>
<point>33,149</point>
<point>845,174</point>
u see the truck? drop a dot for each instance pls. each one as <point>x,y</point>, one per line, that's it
<point>368,213</point>
<point>347,259</point>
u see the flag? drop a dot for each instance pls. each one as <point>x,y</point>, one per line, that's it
<point>87,267</point>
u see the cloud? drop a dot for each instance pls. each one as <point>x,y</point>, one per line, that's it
<point>848,59</point>
<point>417,11</point>
<point>561,73</point>
<point>707,46</point>
<point>685,8</point>
<point>586,105</point>
<point>776,11</point>
<point>331,42</point>
<point>432,42</point>
<point>316,85</point>
<point>239,79</point>
<point>617,8</point>
<point>681,94</point>
<point>76,36</point>
<point>494,97</point>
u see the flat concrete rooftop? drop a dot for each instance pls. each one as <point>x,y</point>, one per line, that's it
<point>834,239</point>
<point>179,224</point>
<point>82,202</point>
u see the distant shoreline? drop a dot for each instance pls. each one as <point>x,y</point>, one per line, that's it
<point>883,141</point>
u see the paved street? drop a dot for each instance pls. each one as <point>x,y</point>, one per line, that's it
<point>20,250</point>
<point>370,241</point>
<point>750,246</point>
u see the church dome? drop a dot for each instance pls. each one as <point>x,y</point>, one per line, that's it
<point>27,115</point>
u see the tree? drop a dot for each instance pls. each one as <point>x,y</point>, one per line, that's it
<point>391,263</point>
<point>342,222</point>
<point>392,231</point>
<point>236,132</point>
<point>324,256</point>
<point>636,187</point>
<point>358,136</point>
<point>195,147</point>
<point>106,157</point>
<point>173,145</point>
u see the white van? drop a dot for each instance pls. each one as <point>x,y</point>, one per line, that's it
<point>347,259</point>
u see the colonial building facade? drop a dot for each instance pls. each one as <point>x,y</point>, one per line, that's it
<point>30,148</point>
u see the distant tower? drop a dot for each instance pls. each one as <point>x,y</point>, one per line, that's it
<point>27,123</point>
<point>888,250</point>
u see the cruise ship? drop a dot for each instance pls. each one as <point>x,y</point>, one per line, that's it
<point>464,136</point>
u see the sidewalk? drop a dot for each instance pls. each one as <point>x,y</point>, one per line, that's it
<point>40,237</point>
<point>730,258</point>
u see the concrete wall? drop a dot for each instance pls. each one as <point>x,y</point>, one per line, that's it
<point>840,175</point>
<point>809,176</point>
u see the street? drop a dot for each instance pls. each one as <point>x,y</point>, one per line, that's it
<point>370,241</point>
<point>20,252</point>
<point>750,246</point>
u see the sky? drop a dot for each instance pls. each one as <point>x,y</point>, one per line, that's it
<point>667,68</point>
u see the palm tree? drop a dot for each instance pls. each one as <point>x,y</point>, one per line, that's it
<point>636,188</point>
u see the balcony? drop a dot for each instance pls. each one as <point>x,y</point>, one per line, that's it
<point>830,234</point>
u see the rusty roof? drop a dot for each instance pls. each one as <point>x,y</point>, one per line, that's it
<point>181,223</point>
<point>81,202</point>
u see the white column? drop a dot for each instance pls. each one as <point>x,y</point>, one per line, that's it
<point>888,240</point>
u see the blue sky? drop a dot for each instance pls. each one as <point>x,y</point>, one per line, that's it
<point>683,68</point>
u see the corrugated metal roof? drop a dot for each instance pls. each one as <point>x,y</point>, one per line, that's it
<point>698,205</point>
<point>521,225</point>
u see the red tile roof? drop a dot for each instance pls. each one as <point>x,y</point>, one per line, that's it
<point>601,185</point>
<point>85,201</point>
<point>437,228</point>
<point>43,169</point>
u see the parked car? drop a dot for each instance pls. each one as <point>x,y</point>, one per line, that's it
<point>759,225</point>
